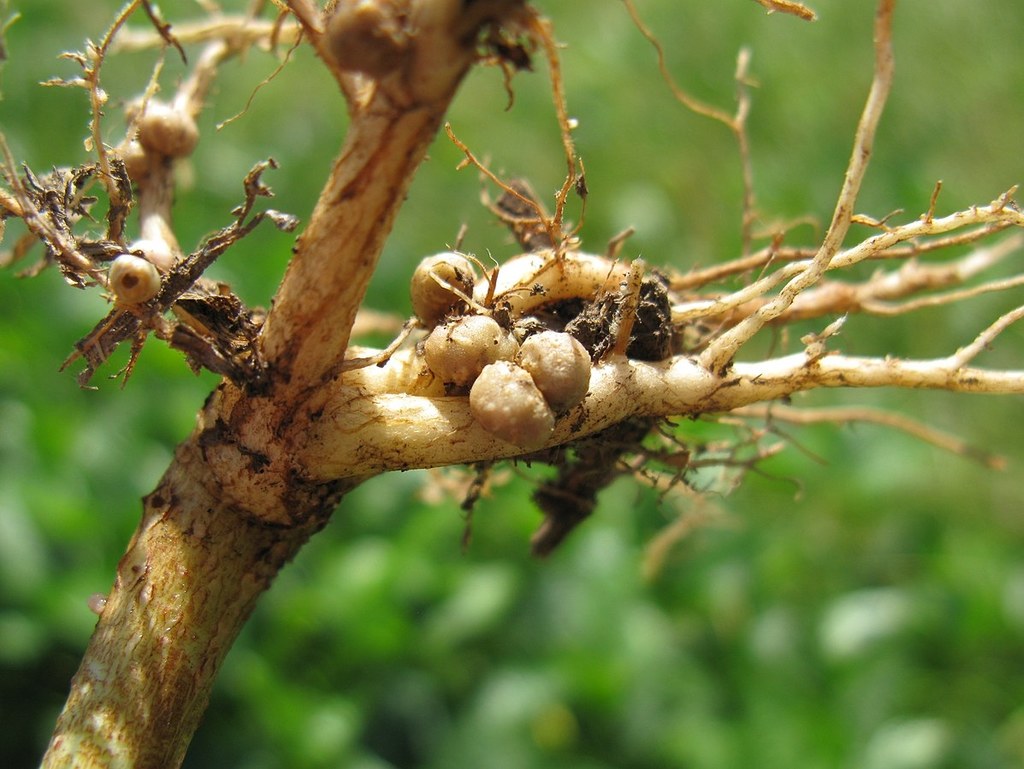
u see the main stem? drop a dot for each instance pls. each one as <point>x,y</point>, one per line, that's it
<point>237,503</point>
<point>183,590</point>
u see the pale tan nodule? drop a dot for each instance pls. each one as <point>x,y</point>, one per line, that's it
<point>505,401</point>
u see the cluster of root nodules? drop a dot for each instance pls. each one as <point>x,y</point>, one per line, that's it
<point>521,340</point>
<point>154,285</point>
<point>152,289</point>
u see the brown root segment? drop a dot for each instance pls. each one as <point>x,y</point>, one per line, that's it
<point>789,6</point>
<point>520,210</point>
<point>584,469</point>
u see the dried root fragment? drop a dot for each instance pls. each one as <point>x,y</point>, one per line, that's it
<point>506,402</point>
<point>592,463</point>
<point>520,210</point>
<point>458,351</point>
<point>651,334</point>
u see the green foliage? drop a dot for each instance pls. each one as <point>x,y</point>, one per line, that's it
<point>870,613</point>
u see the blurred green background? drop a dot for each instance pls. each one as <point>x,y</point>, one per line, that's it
<point>859,604</point>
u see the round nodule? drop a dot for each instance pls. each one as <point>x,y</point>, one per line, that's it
<point>167,131</point>
<point>458,351</point>
<point>367,37</point>
<point>132,279</point>
<point>431,298</point>
<point>157,252</point>
<point>505,401</point>
<point>560,367</point>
